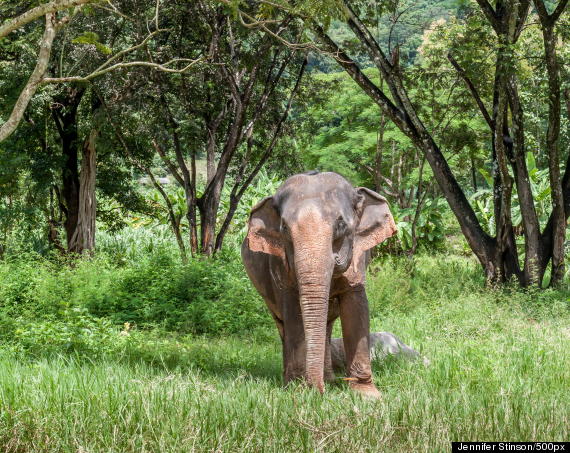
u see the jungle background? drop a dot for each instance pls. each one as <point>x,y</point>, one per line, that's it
<point>136,136</point>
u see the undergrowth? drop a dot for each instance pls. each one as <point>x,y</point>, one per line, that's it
<point>147,354</point>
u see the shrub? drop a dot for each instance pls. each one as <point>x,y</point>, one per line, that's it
<point>202,297</point>
<point>76,332</point>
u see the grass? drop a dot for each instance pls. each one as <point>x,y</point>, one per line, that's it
<point>499,372</point>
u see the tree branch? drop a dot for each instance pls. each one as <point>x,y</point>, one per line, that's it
<point>161,67</point>
<point>490,14</point>
<point>387,68</point>
<point>359,77</point>
<point>34,81</point>
<point>559,10</point>
<point>237,191</point>
<point>37,12</point>
<point>521,19</point>
<point>473,91</point>
<point>168,163</point>
<point>277,130</point>
<point>542,11</point>
<point>546,19</point>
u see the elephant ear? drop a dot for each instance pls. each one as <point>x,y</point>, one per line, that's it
<point>264,233</point>
<point>376,221</point>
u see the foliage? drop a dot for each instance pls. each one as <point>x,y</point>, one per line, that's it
<point>262,186</point>
<point>341,130</point>
<point>483,199</point>
<point>201,297</point>
<point>430,229</point>
<point>335,126</point>
<point>92,39</point>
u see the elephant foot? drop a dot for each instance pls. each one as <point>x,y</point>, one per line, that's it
<point>368,390</point>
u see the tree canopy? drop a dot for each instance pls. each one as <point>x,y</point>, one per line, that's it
<point>112,112</point>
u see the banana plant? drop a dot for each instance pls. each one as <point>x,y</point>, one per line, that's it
<point>429,226</point>
<point>482,200</point>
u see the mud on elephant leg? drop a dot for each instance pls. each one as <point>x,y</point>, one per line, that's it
<point>355,330</point>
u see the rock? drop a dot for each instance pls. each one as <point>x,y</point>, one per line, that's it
<point>382,344</point>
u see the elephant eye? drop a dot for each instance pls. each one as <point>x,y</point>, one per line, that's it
<point>341,227</point>
<point>284,228</point>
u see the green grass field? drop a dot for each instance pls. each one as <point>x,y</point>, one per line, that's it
<point>499,372</point>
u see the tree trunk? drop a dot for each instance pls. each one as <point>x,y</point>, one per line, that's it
<point>83,237</point>
<point>210,156</point>
<point>532,273</point>
<point>174,221</point>
<point>473,174</point>
<point>420,201</point>
<point>65,117</point>
<point>379,153</point>
<point>552,136</point>
<point>70,183</point>
<point>208,217</point>
<point>209,203</point>
<point>547,237</point>
<point>52,223</point>
<point>505,256</point>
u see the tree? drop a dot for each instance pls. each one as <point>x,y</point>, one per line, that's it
<point>498,255</point>
<point>52,25</point>
<point>232,114</point>
<point>555,233</point>
<point>84,56</point>
<point>8,127</point>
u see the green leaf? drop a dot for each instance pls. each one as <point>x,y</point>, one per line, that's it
<point>545,193</point>
<point>91,38</point>
<point>530,161</point>
<point>487,176</point>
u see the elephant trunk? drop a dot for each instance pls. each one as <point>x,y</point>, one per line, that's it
<point>314,267</point>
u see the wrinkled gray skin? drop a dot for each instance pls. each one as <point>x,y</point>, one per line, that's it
<point>382,344</point>
<point>306,253</point>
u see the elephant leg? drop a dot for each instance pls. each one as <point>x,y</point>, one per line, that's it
<point>280,329</point>
<point>328,372</point>
<point>294,348</point>
<point>278,324</point>
<point>355,332</point>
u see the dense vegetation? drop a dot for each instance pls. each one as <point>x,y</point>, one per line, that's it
<point>74,376</point>
<point>136,136</point>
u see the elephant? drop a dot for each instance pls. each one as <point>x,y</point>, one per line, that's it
<point>306,253</point>
<point>382,344</point>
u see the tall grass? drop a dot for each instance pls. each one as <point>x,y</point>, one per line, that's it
<point>225,395</point>
<point>499,363</point>
<point>134,244</point>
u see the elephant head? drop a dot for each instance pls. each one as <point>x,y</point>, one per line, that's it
<point>320,226</point>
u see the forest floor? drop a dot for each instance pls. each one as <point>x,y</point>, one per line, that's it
<point>499,372</point>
